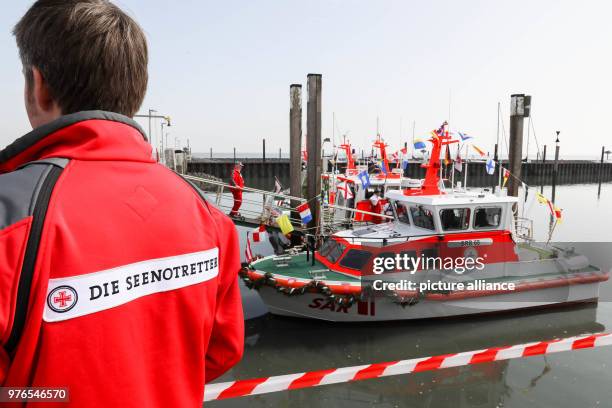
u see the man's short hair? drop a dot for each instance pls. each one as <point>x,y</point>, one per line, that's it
<point>92,55</point>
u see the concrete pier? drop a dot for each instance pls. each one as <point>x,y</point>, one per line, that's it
<point>260,174</point>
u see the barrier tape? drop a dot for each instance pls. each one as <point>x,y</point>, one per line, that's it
<point>241,388</point>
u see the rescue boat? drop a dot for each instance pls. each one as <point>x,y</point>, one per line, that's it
<point>443,253</point>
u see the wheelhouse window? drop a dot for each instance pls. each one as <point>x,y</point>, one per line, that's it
<point>355,259</point>
<point>331,250</point>
<point>488,217</point>
<point>454,219</point>
<point>422,217</point>
<point>401,210</point>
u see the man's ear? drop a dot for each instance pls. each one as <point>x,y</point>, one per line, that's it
<point>39,103</point>
<point>41,92</point>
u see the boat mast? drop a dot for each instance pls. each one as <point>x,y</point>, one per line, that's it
<point>499,152</point>
<point>466,167</point>
<point>350,161</point>
<point>431,185</point>
<point>448,130</point>
<point>380,144</point>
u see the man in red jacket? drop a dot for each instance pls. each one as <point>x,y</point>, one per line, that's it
<point>117,280</point>
<point>238,184</point>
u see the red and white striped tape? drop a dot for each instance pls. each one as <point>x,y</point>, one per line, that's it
<point>255,386</point>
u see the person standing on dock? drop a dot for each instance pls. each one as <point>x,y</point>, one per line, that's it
<point>118,281</point>
<point>238,185</point>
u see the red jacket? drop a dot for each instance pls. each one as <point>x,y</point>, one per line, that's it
<point>112,281</point>
<point>237,179</point>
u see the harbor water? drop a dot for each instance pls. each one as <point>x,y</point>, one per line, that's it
<point>276,346</point>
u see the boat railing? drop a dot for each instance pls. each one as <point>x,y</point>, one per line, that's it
<point>523,228</point>
<point>261,206</point>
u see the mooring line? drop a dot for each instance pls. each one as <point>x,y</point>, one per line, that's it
<point>241,388</point>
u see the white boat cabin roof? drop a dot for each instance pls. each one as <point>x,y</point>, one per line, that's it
<point>452,198</point>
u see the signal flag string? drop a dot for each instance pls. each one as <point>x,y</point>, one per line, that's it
<point>255,386</point>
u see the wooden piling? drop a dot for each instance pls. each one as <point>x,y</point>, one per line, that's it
<point>295,140</point>
<point>555,168</point>
<point>264,149</point>
<point>603,150</point>
<point>313,143</point>
<point>519,109</point>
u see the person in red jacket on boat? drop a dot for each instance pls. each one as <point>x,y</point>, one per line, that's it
<point>238,184</point>
<point>118,281</point>
<point>376,207</point>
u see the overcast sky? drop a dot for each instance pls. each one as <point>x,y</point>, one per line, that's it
<point>222,69</point>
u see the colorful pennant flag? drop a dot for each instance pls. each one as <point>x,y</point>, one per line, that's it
<point>345,189</point>
<point>259,233</point>
<point>419,144</point>
<point>305,214</point>
<point>447,156</point>
<point>440,130</point>
<point>383,167</point>
<point>490,166</point>
<point>364,177</point>
<point>284,224</point>
<point>558,214</point>
<point>464,136</point>
<point>541,199</point>
<point>479,150</point>
<point>278,187</point>
<point>458,161</point>
<point>506,175</point>
<point>248,254</point>
<point>554,210</point>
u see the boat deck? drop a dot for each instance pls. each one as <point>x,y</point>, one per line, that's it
<point>301,268</point>
<point>298,267</point>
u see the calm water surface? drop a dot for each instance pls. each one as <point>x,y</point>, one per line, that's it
<point>276,346</point>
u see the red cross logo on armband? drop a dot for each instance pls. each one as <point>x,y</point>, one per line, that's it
<point>62,299</point>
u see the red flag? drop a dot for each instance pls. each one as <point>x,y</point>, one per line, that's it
<point>458,161</point>
<point>558,214</point>
<point>346,190</point>
<point>259,233</point>
<point>248,254</point>
<point>447,156</point>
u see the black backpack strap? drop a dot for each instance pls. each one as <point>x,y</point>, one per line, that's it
<point>38,210</point>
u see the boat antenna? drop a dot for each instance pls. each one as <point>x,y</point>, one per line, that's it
<point>449,110</point>
<point>400,130</point>
<point>334,128</point>
<point>499,176</point>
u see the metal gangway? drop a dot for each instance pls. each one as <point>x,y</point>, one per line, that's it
<point>261,207</point>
